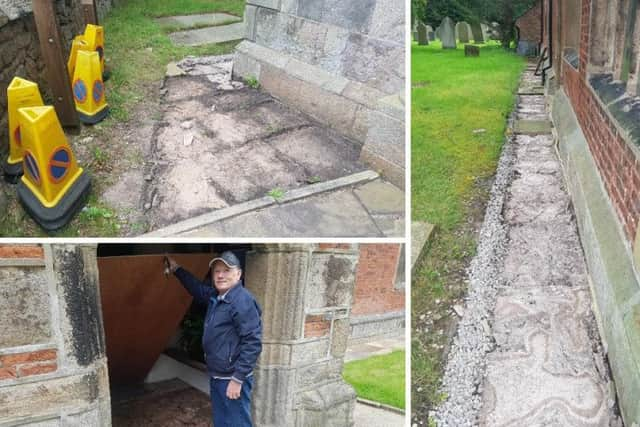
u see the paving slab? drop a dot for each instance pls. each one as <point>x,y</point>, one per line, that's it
<point>198,20</point>
<point>369,416</point>
<point>334,214</point>
<point>209,35</point>
<point>373,347</point>
<point>532,127</point>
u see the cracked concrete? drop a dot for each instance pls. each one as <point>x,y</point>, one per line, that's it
<point>527,351</point>
<point>220,144</point>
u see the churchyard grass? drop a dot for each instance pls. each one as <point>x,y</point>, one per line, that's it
<point>138,49</point>
<point>378,378</point>
<point>459,110</point>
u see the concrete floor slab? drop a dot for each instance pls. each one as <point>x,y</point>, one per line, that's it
<point>532,127</point>
<point>198,20</point>
<point>209,35</point>
<point>335,214</point>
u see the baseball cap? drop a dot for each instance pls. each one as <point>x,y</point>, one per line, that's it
<point>229,258</point>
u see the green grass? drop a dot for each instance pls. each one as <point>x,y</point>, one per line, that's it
<point>452,96</point>
<point>378,378</point>
<point>137,48</point>
<point>459,95</point>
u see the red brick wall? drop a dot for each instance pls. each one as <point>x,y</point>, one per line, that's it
<point>25,364</point>
<point>21,251</point>
<point>617,164</point>
<point>375,291</point>
<point>529,24</point>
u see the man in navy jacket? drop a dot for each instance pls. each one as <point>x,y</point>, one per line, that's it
<point>232,338</point>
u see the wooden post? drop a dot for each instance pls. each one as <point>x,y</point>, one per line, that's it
<point>89,12</point>
<point>51,49</point>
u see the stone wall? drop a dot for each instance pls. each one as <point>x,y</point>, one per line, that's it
<point>339,61</point>
<point>598,128</point>
<point>20,48</point>
<point>299,374</point>
<point>53,368</point>
<point>379,296</point>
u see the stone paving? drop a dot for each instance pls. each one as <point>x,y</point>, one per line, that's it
<point>225,148</point>
<point>537,358</point>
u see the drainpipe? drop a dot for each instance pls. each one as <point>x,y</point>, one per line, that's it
<point>550,43</point>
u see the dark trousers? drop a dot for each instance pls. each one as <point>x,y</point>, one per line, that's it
<point>228,412</point>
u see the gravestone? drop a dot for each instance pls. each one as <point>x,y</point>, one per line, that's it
<point>485,32</point>
<point>471,50</point>
<point>415,36</point>
<point>478,35</point>
<point>431,35</point>
<point>447,34</point>
<point>463,32</point>
<point>437,32</point>
<point>423,40</point>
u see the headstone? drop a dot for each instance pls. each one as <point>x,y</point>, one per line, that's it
<point>463,32</point>
<point>471,50</point>
<point>485,32</point>
<point>430,33</point>
<point>476,30</point>
<point>438,32</point>
<point>415,36</point>
<point>447,34</point>
<point>423,40</point>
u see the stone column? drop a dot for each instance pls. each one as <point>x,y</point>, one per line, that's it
<point>53,368</point>
<point>306,293</point>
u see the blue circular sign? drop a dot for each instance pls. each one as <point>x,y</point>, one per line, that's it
<point>59,164</point>
<point>80,91</point>
<point>98,90</point>
<point>32,167</point>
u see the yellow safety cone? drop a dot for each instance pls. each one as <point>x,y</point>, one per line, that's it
<point>20,93</point>
<point>53,187</point>
<point>77,44</point>
<point>94,37</point>
<point>88,88</point>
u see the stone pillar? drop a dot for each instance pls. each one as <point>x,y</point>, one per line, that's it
<point>306,292</point>
<point>53,368</point>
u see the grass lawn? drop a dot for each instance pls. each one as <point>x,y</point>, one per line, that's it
<point>378,378</point>
<point>137,51</point>
<point>459,111</point>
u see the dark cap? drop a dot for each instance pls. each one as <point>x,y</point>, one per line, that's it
<point>229,258</point>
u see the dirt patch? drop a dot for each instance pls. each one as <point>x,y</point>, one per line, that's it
<point>220,143</point>
<point>166,404</point>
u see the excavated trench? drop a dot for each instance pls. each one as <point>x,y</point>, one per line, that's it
<point>527,351</point>
<point>232,143</point>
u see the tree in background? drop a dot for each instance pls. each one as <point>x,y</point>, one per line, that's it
<point>437,10</point>
<point>418,8</point>
<point>504,12</point>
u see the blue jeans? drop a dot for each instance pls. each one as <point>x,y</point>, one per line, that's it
<point>228,412</point>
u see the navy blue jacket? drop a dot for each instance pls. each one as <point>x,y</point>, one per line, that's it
<point>232,338</point>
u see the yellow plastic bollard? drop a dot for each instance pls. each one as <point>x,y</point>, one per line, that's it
<point>88,88</point>
<point>77,44</point>
<point>20,93</point>
<point>53,187</point>
<point>94,37</point>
